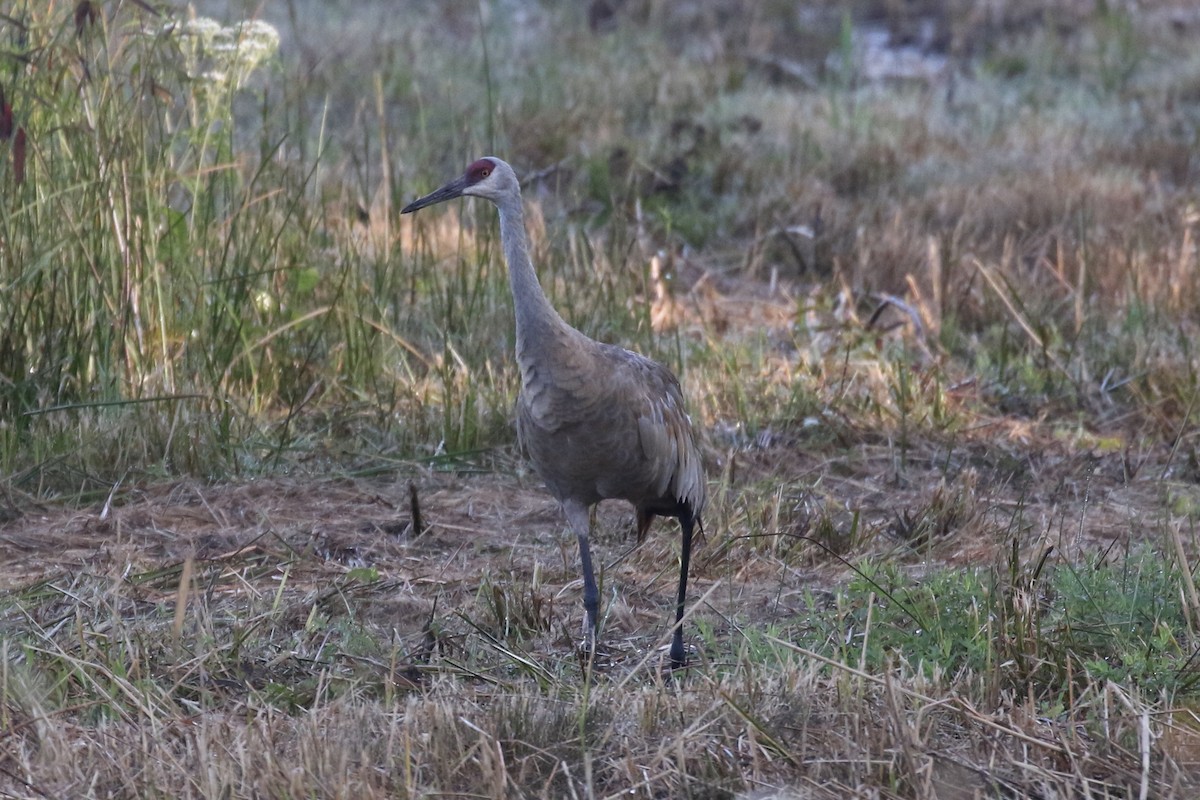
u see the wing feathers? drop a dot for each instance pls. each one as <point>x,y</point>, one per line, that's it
<point>602,422</point>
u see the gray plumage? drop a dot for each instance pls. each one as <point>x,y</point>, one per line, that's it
<point>599,422</point>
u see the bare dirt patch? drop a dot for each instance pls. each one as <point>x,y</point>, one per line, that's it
<point>483,528</point>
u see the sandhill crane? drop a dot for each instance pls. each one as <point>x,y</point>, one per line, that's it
<point>599,422</point>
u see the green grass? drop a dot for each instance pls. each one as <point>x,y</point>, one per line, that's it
<point>1048,635</point>
<point>200,245</point>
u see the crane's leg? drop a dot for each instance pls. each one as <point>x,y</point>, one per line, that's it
<point>678,656</point>
<point>579,519</point>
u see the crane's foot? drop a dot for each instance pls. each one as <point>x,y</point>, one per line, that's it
<point>678,654</point>
<point>586,649</point>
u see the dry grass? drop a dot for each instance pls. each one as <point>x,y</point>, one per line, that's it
<point>323,648</point>
<point>938,332</point>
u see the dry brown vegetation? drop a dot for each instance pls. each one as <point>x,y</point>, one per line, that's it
<point>927,270</point>
<point>288,637</point>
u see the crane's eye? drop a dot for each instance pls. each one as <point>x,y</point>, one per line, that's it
<point>480,170</point>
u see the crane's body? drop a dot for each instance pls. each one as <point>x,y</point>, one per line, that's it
<point>598,422</point>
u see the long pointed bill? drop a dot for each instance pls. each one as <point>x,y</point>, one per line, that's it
<point>448,192</point>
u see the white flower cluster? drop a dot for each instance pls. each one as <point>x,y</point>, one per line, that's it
<point>223,55</point>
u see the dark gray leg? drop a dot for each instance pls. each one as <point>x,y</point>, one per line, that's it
<point>678,656</point>
<point>580,521</point>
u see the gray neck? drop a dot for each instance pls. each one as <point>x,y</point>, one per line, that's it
<point>533,311</point>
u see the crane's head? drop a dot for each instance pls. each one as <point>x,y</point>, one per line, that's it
<point>489,177</point>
